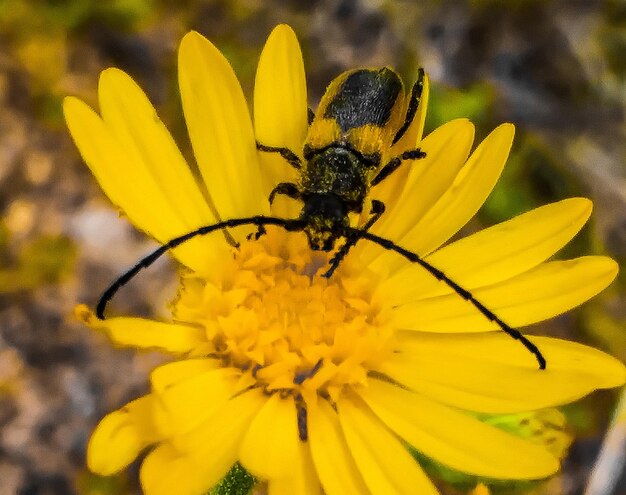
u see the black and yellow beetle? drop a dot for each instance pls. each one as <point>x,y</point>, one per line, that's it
<point>360,117</point>
<point>358,120</point>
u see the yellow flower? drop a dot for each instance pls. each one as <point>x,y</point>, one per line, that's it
<point>480,490</point>
<point>312,384</point>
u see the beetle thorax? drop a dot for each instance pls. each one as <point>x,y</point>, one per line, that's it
<point>338,171</point>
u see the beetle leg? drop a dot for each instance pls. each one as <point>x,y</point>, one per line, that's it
<point>395,162</point>
<point>414,101</point>
<point>378,208</point>
<point>302,376</point>
<point>255,236</point>
<point>301,415</point>
<point>288,189</point>
<point>286,153</point>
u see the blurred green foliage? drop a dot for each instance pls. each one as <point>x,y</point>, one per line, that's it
<point>92,484</point>
<point>24,17</point>
<point>613,37</point>
<point>447,103</point>
<point>44,260</point>
<point>533,175</point>
<point>37,32</point>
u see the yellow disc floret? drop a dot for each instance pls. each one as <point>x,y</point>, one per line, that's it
<point>269,313</point>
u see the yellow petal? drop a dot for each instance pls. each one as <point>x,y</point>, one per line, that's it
<point>199,459</point>
<point>270,447</point>
<point>385,464</point>
<point>420,115</point>
<point>121,436</point>
<point>170,374</point>
<point>280,96</point>
<point>494,254</point>
<point>280,108</point>
<point>145,334</point>
<point>188,402</point>
<point>413,135</point>
<point>465,196</point>
<point>455,439</point>
<point>388,191</point>
<point>446,150</point>
<point>220,129</point>
<point>335,467</point>
<point>493,373</point>
<point>226,426</point>
<point>565,356</point>
<point>218,439</point>
<point>541,293</point>
<point>303,481</point>
<point>133,120</point>
<point>165,471</point>
<point>130,185</point>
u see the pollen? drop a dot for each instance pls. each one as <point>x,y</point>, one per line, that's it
<point>270,313</point>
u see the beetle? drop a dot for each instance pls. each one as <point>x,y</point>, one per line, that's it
<point>359,118</point>
<point>357,121</point>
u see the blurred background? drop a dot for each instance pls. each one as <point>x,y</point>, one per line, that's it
<point>557,69</point>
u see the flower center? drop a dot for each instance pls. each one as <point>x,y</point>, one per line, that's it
<point>270,312</point>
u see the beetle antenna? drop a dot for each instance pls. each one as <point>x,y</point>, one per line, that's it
<point>465,294</point>
<point>259,221</point>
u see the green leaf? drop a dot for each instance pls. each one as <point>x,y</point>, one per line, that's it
<point>237,482</point>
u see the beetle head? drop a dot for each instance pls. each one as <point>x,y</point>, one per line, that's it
<point>325,217</point>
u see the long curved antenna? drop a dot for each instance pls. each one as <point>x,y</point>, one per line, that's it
<point>258,220</point>
<point>465,294</point>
